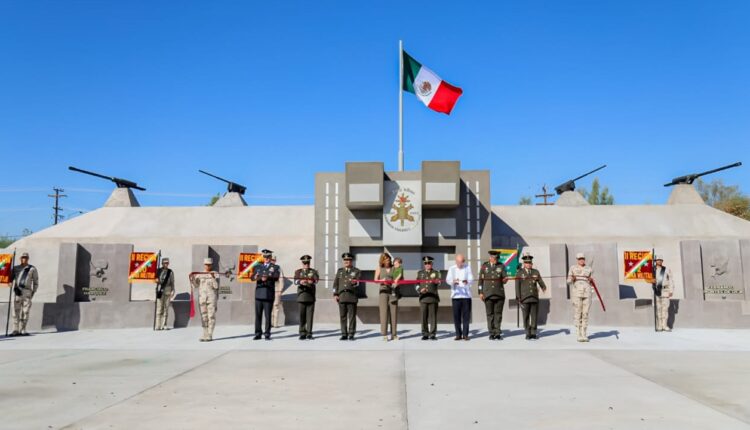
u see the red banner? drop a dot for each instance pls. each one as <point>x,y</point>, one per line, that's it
<point>6,266</point>
<point>248,260</point>
<point>639,265</point>
<point>142,266</point>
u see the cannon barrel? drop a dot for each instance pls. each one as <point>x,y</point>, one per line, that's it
<point>119,182</point>
<point>570,185</point>
<point>232,187</point>
<point>689,179</point>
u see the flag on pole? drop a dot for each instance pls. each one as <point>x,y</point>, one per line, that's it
<point>6,266</point>
<point>434,92</point>
<point>509,259</point>
<point>248,260</point>
<point>142,266</point>
<point>638,265</point>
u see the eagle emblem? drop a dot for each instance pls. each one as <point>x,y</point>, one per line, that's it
<point>402,208</point>
<point>424,88</point>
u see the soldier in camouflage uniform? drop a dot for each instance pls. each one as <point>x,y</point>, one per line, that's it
<point>207,283</point>
<point>579,280</point>
<point>25,281</point>
<point>428,298</point>
<point>306,279</point>
<point>491,286</point>
<point>663,289</point>
<point>528,282</point>
<point>345,293</point>
<point>164,293</point>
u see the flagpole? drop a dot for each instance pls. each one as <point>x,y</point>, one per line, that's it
<point>400,106</point>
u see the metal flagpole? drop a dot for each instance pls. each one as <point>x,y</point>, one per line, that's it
<point>400,106</point>
<point>10,293</point>
<point>156,293</point>
<point>655,287</point>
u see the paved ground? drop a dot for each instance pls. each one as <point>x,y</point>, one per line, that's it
<point>627,378</point>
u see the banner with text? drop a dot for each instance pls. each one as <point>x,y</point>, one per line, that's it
<point>638,265</point>
<point>142,266</point>
<point>248,260</point>
<point>6,266</point>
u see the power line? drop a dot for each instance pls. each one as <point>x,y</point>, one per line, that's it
<point>57,207</point>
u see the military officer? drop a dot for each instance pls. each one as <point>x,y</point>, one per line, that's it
<point>528,282</point>
<point>25,281</point>
<point>306,279</point>
<point>207,283</point>
<point>345,293</point>
<point>663,289</point>
<point>265,276</point>
<point>579,280</point>
<point>164,293</point>
<point>428,298</point>
<point>491,286</point>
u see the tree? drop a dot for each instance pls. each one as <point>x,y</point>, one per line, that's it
<point>597,195</point>
<point>524,201</point>
<point>214,199</point>
<point>727,198</point>
<point>5,241</point>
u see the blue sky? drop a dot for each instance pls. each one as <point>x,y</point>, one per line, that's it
<point>268,93</point>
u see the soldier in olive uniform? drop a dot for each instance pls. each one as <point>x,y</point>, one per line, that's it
<point>265,276</point>
<point>428,298</point>
<point>25,281</point>
<point>491,285</point>
<point>528,282</point>
<point>164,293</point>
<point>663,290</point>
<point>207,283</point>
<point>345,293</point>
<point>579,280</point>
<point>305,279</point>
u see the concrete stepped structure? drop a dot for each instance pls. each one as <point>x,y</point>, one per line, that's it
<point>707,250</point>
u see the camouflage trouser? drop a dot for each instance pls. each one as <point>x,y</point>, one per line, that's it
<point>207,301</point>
<point>21,308</point>
<point>581,306</point>
<point>162,309</point>
<point>662,312</point>
<point>277,311</point>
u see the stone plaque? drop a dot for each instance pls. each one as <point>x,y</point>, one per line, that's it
<point>402,213</point>
<point>722,270</point>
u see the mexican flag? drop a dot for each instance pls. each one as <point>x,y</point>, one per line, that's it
<point>434,92</point>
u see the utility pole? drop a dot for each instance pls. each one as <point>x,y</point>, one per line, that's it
<point>545,195</point>
<point>57,207</point>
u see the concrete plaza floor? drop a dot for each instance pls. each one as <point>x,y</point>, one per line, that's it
<point>625,378</point>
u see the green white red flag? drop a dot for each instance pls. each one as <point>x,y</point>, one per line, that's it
<point>434,92</point>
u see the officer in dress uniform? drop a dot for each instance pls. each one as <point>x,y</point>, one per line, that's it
<point>345,293</point>
<point>207,283</point>
<point>265,276</point>
<point>164,293</point>
<point>306,279</point>
<point>25,281</point>
<point>428,298</point>
<point>491,285</point>
<point>528,282</point>
<point>579,280</point>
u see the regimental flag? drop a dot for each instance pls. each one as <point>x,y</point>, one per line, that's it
<point>248,260</point>
<point>6,266</point>
<point>142,266</point>
<point>434,92</point>
<point>509,259</point>
<point>639,265</point>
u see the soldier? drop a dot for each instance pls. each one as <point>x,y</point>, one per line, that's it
<point>164,293</point>
<point>491,286</point>
<point>265,275</point>
<point>345,293</point>
<point>663,289</point>
<point>528,282</point>
<point>207,283</point>
<point>579,280</point>
<point>306,279</point>
<point>277,313</point>
<point>25,280</point>
<point>428,298</point>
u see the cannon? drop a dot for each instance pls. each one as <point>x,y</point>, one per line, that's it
<point>689,179</point>
<point>232,187</point>
<point>571,184</point>
<point>121,183</point>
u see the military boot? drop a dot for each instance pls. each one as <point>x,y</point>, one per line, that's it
<point>210,335</point>
<point>205,334</point>
<point>584,334</point>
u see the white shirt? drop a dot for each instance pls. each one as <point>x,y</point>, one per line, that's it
<point>460,290</point>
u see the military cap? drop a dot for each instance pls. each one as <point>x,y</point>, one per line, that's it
<point>492,252</point>
<point>165,260</point>
<point>580,256</point>
<point>266,253</point>
<point>208,261</point>
<point>427,259</point>
<point>527,257</point>
<point>658,257</point>
<point>305,258</point>
<point>25,255</point>
<point>347,256</point>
